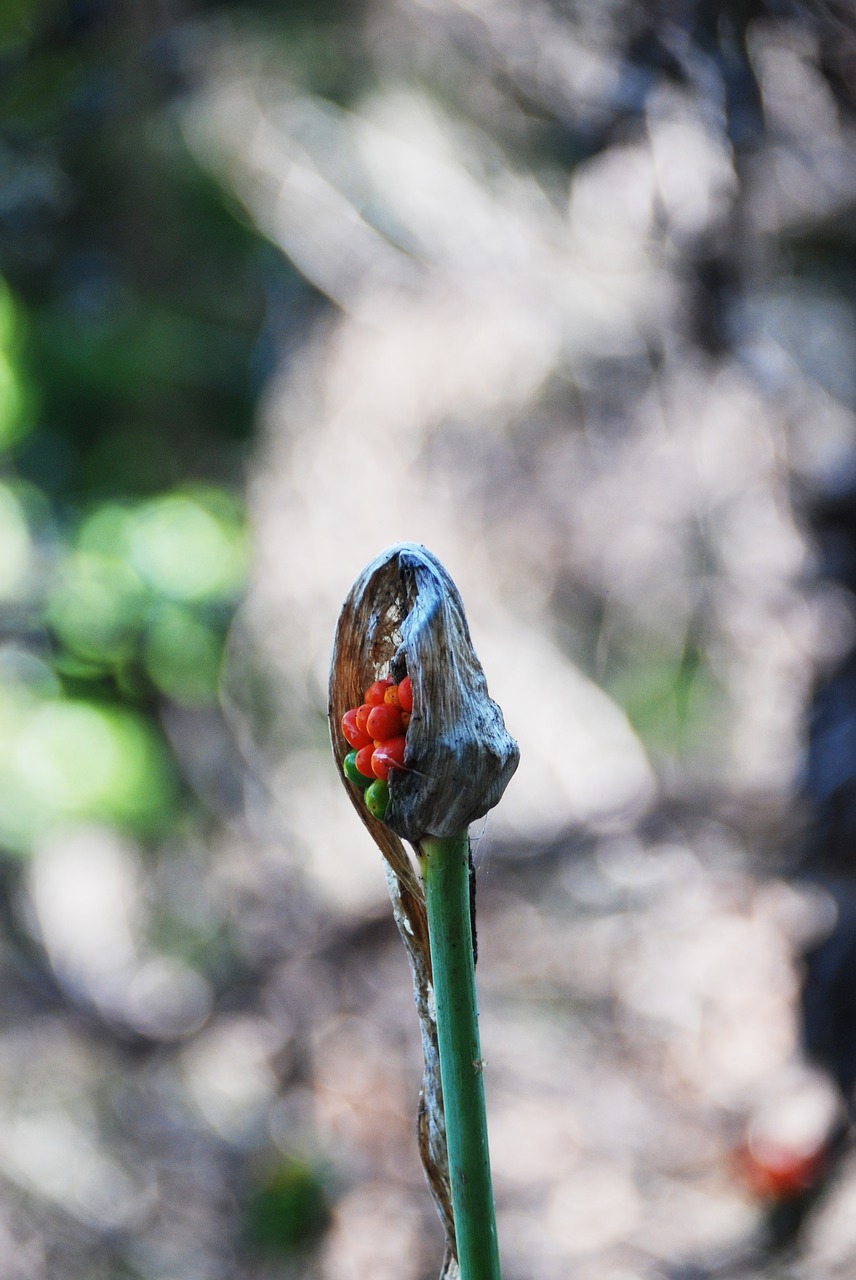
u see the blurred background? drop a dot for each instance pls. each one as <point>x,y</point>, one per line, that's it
<point>567,292</point>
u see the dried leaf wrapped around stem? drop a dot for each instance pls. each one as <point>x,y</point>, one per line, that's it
<point>404,616</point>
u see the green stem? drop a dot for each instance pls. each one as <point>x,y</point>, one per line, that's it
<point>445,871</point>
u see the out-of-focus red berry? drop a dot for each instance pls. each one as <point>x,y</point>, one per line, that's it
<point>778,1173</point>
<point>384,722</point>
<point>363,761</point>
<point>389,755</point>
<point>405,694</point>
<point>405,718</point>
<point>355,736</point>
<point>375,692</point>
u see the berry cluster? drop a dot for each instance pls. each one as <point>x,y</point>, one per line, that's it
<point>376,733</point>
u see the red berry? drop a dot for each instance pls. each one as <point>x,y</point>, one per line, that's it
<point>375,692</point>
<point>363,761</point>
<point>405,694</point>
<point>405,718</point>
<point>362,715</point>
<point>389,755</point>
<point>352,732</point>
<point>352,773</point>
<point>384,722</point>
<point>776,1173</point>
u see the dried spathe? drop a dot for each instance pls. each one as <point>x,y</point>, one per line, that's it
<point>403,624</point>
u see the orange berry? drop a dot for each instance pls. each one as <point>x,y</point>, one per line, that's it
<point>375,692</point>
<point>383,722</point>
<point>363,761</point>
<point>389,755</point>
<point>356,736</point>
<point>361,715</point>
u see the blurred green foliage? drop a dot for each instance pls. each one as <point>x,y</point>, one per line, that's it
<point>287,1210</point>
<point>138,316</point>
<point>673,700</point>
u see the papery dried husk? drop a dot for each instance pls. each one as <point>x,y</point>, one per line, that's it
<point>404,615</point>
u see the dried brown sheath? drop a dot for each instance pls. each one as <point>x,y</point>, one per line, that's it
<point>404,616</point>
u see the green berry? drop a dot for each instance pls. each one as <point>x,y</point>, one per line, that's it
<point>377,798</point>
<point>352,773</point>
